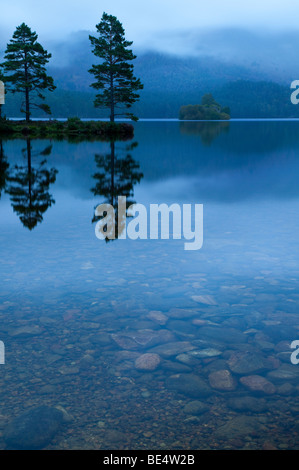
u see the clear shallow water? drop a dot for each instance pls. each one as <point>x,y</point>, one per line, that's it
<point>76,312</point>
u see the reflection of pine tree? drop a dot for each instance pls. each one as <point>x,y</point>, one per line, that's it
<point>29,187</point>
<point>116,177</point>
<point>3,168</point>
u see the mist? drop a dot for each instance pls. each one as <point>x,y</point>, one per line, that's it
<point>272,56</point>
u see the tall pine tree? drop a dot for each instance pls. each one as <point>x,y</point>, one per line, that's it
<point>25,69</point>
<point>116,176</point>
<point>114,75</point>
<point>28,187</point>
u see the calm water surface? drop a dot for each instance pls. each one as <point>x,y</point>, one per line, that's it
<point>76,313</point>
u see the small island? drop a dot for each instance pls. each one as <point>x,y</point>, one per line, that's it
<point>208,110</point>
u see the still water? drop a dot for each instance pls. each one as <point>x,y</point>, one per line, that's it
<point>77,314</point>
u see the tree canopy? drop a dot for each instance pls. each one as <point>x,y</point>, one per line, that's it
<point>208,110</point>
<point>114,75</point>
<point>116,176</point>
<point>28,187</point>
<point>24,69</point>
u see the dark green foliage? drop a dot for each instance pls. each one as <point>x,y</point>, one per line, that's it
<point>208,110</point>
<point>73,128</point>
<point>114,75</point>
<point>245,99</point>
<point>226,110</point>
<point>208,100</point>
<point>73,124</point>
<point>25,71</point>
<point>125,174</point>
<point>258,99</point>
<point>117,175</point>
<point>28,187</point>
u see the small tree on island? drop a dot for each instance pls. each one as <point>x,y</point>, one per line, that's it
<point>25,71</point>
<point>114,75</point>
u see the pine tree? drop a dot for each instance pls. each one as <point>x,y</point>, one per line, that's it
<point>25,71</point>
<point>116,176</point>
<point>28,187</point>
<point>114,75</point>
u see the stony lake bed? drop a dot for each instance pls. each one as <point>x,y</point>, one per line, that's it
<point>140,344</point>
<point>221,394</point>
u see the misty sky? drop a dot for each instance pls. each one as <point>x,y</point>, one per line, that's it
<point>155,21</point>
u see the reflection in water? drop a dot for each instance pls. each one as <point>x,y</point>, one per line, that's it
<point>208,131</point>
<point>86,325</point>
<point>4,165</point>
<point>116,177</point>
<point>28,187</point>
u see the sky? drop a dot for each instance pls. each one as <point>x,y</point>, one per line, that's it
<point>149,21</point>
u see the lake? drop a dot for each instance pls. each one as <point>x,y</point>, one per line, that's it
<point>142,344</point>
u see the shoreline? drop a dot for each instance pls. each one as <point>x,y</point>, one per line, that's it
<point>71,128</point>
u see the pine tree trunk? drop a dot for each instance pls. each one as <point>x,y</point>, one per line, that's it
<point>27,109</point>
<point>112,149</point>
<point>29,169</point>
<point>27,105</point>
<point>112,98</point>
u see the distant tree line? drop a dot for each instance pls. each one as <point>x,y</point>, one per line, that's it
<point>245,98</point>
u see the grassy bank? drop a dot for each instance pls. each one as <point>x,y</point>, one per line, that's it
<point>73,128</point>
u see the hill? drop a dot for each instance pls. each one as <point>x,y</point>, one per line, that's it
<point>247,87</point>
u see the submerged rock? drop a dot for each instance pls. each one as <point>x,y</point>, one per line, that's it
<point>173,348</point>
<point>189,384</point>
<point>216,364</point>
<point>142,339</point>
<point>284,372</point>
<point>195,408</point>
<point>181,327</point>
<point>175,367</point>
<point>124,342</point>
<point>205,353</point>
<point>204,299</point>
<point>158,317</point>
<point>223,334</point>
<point>102,338</point>
<point>222,380</point>
<point>246,362</point>
<point>187,359</point>
<point>24,331</point>
<point>148,361</point>
<point>239,427</point>
<point>148,338</point>
<point>248,403</point>
<point>257,383</point>
<point>286,389</point>
<point>181,313</point>
<point>34,428</point>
